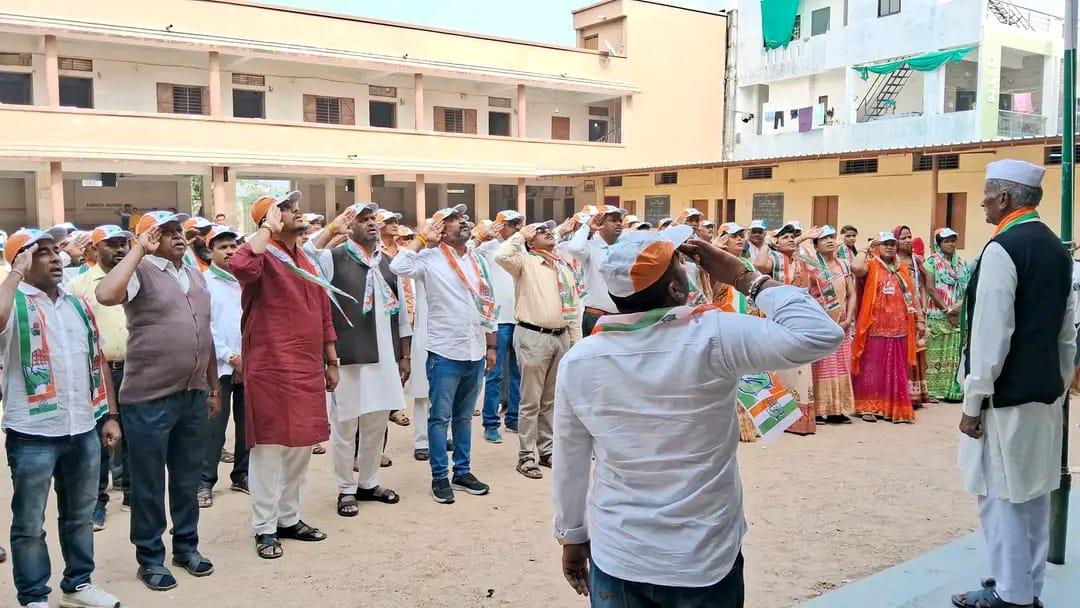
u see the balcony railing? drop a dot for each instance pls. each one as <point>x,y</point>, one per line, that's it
<point>1016,124</point>
<point>1024,18</point>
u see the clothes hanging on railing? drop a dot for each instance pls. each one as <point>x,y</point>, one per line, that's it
<point>806,116</point>
<point>1023,103</point>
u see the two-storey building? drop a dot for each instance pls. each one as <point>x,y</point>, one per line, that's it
<point>126,102</point>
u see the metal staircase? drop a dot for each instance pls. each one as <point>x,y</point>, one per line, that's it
<point>1007,13</point>
<point>882,94</point>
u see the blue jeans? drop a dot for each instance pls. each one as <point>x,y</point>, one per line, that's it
<point>606,591</point>
<point>73,462</point>
<point>167,433</point>
<point>453,387</point>
<point>505,358</point>
<point>231,394</point>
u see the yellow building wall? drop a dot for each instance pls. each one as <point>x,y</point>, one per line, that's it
<point>895,195</point>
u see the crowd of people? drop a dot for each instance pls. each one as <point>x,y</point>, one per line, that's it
<point>127,349</point>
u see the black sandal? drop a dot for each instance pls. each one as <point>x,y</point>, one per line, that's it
<point>346,505</point>
<point>156,578</point>
<point>378,494</point>
<point>268,546</point>
<point>545,461</point>
<point>529,469</point>
<point>301,531</point>
<point>986,597</point>
<point>194,563</point>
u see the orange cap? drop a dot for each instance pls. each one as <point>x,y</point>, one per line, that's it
<point>262,205</point>
<point>157,218</point>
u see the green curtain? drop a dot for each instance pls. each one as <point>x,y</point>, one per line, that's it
<point>927,62</point>
<point>778,21</point>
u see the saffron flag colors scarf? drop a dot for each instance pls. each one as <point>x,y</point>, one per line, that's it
<point>36,362</point>
<point>569,289</point>
<point>375,278</point>
<point>307,273</point>
<point>771,406</point>
<point>481,292</point>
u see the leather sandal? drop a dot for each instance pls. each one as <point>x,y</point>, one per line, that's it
<point>303,532</point>
<point>268,546</point>
<point>378,494</point>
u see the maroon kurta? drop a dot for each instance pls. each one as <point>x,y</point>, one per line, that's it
<point>285,325</point>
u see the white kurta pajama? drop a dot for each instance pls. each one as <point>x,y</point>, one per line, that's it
<point>1015,465</point>
<point>366,392</point>
<point>418,383</point>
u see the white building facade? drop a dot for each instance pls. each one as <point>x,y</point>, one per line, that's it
<point>1007,85</point>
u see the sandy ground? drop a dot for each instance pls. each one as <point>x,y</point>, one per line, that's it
<point>823,510</point>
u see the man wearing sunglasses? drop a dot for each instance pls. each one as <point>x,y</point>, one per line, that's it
<point>546,298</point>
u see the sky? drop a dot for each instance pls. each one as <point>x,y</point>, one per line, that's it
<point>536,20</point>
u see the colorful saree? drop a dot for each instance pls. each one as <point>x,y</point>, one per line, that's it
<point>833,394</point>
<point>884,347</point>
<point>946,340</point>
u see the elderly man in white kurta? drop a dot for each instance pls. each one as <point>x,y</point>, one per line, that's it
<point>374,348</point>
<point>1018,365</point>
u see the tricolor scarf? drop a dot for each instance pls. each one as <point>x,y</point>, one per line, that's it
<point>359,255</point>
<point>481,293</point>
<point>36,362</point>
<point>569,288</point>
<point>1019,216</point>
<point>221,273</point>
<point>823,277</point>
<point>193,261</point>
<point>308,273</point>
<point>771,407</point>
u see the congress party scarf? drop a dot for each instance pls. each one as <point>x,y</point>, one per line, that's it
<point>481,293</point>
<point>564,280</point>
<point>36,361</point>
<point>375,278</point>
<point>770,406</point>
<point>221,273</point>
<point>308,275</point>
<point>1019,216</point>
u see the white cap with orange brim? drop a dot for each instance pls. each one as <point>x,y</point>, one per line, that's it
<point>638,259</point>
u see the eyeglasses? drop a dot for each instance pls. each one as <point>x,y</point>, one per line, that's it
<point>408,238</point>
<point>543,231</point>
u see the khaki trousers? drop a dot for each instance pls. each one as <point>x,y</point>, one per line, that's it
<point>538,357</point>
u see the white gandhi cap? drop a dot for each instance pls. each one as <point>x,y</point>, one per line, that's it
<point>1016,171</point>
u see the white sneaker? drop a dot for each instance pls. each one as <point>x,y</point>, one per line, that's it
<point>37,605</point>
<point>89,596</point>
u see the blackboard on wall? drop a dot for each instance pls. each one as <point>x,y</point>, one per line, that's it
<point>769,206</point>
<point>657,208</point>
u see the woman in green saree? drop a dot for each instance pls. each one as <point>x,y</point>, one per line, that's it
<point>948,276</point>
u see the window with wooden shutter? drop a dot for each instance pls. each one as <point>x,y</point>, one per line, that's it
<point>182,99</point>
<point>591,42</point>
<point>451,120</point>
<point>75,65</point>
<point>470,121</point>
<point>248,80</point>
<point>560,127</point>
<point>701,205</point>
<point>329,110</point>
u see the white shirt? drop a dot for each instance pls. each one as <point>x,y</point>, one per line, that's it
<point>1076,289</point>
<point>1024,441</point>
<point>656,409</point>
<point>454,322</point>
<point>501,281</point>
<point>225,313</point>
<point>180,274</point>
<point>591,253</point>
<point>65,333</point>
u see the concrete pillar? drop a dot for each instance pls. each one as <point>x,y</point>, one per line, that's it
<point>50,195</point>
<point>217,186</point>
<point>443,195</point>
<point>418,107</point>
<point>933,91</point>
<point>521,197</point>
<point>989,86</point>
<point>215,84</point>
<point>482,200</point>
<point>52,72</point>
<point>848,111</point>
<point>362,189</point>
<point>421,199</point>
<point>1051,90</point>
<point>522,117</point>
<point>330,198</point>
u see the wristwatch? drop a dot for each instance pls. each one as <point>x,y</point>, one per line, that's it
<point>111,416</point>
<point>333,362</point>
